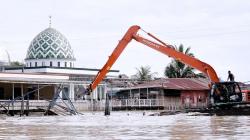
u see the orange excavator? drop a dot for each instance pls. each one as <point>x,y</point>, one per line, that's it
<point>221,92</point>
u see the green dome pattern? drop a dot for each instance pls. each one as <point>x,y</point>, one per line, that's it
<point>50,44</point>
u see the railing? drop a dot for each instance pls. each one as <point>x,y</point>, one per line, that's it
<point>17,105</point>
<point>87,105</point>
<point>137,103</point>
<point>195,106</point>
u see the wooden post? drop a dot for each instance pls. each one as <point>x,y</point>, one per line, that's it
<point>27,106</point>
<point>107,110</point>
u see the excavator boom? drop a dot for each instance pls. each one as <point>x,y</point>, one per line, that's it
<point>186,59</point>
<point>116,53</point>
<point>163,48</point>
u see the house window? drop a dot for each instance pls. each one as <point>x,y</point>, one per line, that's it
<point>65,64</point>
<point>50,64</point>
<point>71,64</point>
<point>30,64</point>
<point>58,64</point>
<point>35,64</point>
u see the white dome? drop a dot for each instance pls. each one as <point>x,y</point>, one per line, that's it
<point>4,57</point>
<point>50,48</point>
<point>50,44</point>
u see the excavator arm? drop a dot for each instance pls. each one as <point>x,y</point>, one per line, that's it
<point>186,59</point>
<point>115,54</point>
<point>162,47</point>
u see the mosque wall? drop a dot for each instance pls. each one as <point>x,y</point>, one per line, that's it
<point>49,63</point>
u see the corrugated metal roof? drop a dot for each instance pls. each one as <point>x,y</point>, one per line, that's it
<point>176,83</point>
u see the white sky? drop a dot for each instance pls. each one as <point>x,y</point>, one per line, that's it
<point>217,31</point>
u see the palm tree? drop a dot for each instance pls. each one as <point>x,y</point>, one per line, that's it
<point>144,73</point>
<point>177,69</point>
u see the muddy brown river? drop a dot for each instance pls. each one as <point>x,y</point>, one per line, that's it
<point>125,125</point>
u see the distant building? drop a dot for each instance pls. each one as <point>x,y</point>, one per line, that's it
<point>170,94</point>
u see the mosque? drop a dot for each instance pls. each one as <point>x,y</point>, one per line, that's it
<point>49,64</point>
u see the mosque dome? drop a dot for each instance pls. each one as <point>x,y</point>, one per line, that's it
<point>47,47</point>
<point>4,57</point>
<point>50,44</point>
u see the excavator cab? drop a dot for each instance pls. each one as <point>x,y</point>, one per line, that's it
<point>225,92</point>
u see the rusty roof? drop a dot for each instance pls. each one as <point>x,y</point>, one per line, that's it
<point>176,83</point>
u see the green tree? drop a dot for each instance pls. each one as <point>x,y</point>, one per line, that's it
<point>144,73</point>
<point>16,63</point>
<point>177,69</point>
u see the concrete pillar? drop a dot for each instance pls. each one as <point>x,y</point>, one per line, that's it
<point>163,98</point>
<point>139,93</point>
<point>22,104</point>
<point>95,93</point>
<point>147,93</point>
<point>38,92</point>
<point>13,91</point>
<point>105,91</point>
<point>130,92</point>
<point>71,92</point>
<point>22,90</point>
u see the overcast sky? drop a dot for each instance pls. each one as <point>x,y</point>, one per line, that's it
<point>217,31</point>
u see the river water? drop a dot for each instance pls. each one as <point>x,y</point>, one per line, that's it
<point>125,125</point>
